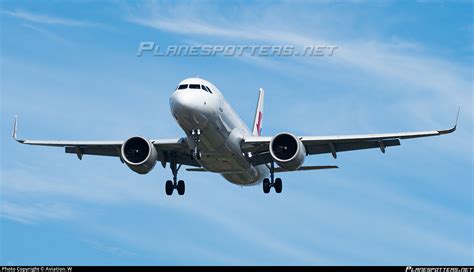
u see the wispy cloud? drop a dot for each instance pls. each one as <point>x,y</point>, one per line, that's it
<point>116,193</point>
<point>111,249</point>
<point>394,59</point>
<point>30,213</point>
<point>48,19</point>
<point>51,35</point>
<point>407,72</point>
<point>119,192</point>
<point>322,218</point>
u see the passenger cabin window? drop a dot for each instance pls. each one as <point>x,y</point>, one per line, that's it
<point>194,86</point>
<point>184,86</point>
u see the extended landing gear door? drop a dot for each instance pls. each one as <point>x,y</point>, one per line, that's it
<point>163,156</point>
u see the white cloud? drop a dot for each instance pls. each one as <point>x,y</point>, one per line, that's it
<point>428,88</point>
<point>111,249</point>
<point>48,20</point>
<point>30,213</point>
<point>394,59</point>
<point>117,192</point>
<point>49,34</point>
<point>237,212</point>
<point>302,225</point>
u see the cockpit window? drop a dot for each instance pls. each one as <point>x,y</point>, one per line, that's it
<point>205,88</point>
<point>194,86</point>
<point>208,89</point>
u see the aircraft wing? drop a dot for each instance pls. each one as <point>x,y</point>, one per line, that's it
<point>259,146</point>
<point>113,148</point>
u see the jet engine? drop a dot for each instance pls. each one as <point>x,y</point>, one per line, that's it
<point>139,154</point>
<point>288,151</point>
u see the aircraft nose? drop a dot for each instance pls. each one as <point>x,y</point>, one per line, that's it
<point>191,108</point>
<point>181,101</point>
<point>189,102</point>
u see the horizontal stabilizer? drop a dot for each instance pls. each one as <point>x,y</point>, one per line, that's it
<point>196,169</point>
<point>305,168</point>
<point>278,169</point>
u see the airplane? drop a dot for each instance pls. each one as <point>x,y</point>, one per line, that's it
<point>218,141</point>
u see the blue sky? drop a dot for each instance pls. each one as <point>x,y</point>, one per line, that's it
<point>70,71</point>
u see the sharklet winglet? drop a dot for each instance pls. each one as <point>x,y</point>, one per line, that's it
<point>14,127</point>
<point>14,132</point>
<point>447,131</point>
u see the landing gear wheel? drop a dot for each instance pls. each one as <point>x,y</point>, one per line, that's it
<point>266,185</point>
<point>272,182</point>
<point>180,187</point>
<point>278,185</point>
<point>169,187</point>
<point>197,153</point>
<point>174,184</point>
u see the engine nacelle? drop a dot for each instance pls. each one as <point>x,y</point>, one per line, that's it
<point>139,154</point>
<point>288,151</point>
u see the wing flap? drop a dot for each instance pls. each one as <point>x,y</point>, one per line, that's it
<point>307,168</point>
<point>322,148</point>
<point>112,151</point>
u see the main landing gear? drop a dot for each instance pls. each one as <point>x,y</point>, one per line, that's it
<point>175,184</point>
<point>196,133</point>
<point>272,182</point>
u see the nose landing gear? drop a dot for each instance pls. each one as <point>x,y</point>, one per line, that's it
<point>196,133</point>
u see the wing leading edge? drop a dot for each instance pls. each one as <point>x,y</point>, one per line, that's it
<point>258,146</point>
<point>113,148</point>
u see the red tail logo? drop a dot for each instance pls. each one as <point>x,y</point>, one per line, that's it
<point>259,123</point>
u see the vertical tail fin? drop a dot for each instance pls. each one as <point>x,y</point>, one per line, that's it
<point>257,121</point>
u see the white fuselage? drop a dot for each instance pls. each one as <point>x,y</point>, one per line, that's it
<point>222,131</point>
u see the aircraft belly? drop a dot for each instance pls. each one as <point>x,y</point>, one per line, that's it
<point>217,157</point>
<point>219,144</point>
<point>222,164</point>
<point>250,177</point>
